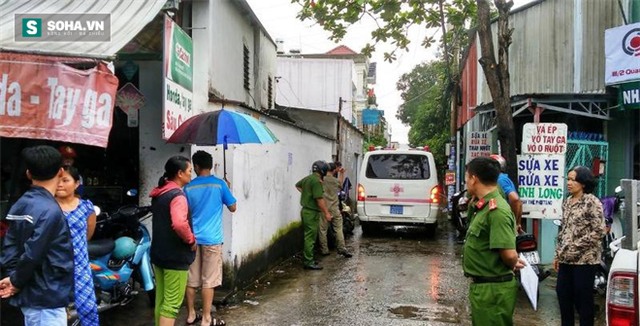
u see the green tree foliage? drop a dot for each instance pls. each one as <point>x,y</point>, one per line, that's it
<point>374,139</point>
<point>426,107</point>
<point>455,18</point>
<point>393,19</point>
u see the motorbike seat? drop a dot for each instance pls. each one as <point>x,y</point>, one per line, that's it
<point>99,248</point>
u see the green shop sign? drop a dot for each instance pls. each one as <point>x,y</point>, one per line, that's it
<point>179,53</point>
<point>629,96</point>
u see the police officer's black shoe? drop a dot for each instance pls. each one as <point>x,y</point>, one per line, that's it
<point>345,253</point>
<point>314,267</point>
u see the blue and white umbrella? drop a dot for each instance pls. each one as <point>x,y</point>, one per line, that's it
<point>222,127</point>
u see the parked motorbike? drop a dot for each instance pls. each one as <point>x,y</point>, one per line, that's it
<point>348,220</point>
<point>527,248</point>
<point>459,214</point>
<point>120,257</point>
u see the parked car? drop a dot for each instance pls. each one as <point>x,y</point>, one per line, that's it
<point>623,291</point>
<point>398,187</point>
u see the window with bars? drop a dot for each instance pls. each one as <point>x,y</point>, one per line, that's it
<point>245,59</point>
<point>270,93</point>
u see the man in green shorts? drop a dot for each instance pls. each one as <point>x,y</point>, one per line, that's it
<point>313,209</point>
<point>490,256</point>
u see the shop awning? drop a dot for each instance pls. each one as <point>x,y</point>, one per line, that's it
<point>596,106</point>
<point>127,19</point>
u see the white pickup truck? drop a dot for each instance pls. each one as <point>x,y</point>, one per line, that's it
<point>623,290</point>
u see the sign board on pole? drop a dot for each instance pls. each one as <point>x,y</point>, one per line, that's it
<point>178,77</point>
<point>544,138</point>
<point>371,116</point>
<point>478,144</point>
<point>541,185</point>
<point>450,178</point>
<point>622,49</point>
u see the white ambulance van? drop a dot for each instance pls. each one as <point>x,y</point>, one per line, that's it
<point>398,187</point>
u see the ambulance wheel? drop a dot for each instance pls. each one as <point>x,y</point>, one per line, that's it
<point>369,228</point>
<point>431,230</point>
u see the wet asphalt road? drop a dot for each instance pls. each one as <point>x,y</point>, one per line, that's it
<point>396,278</point>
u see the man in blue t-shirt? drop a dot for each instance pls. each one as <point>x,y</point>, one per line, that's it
<point>510,191</point>
<point>206,195</point>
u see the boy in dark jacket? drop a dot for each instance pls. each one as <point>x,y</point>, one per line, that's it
<point>37,258</point>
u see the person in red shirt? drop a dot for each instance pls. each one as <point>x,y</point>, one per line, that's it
<point>173,244</point>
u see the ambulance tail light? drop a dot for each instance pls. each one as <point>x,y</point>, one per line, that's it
<point>435,195</point>
<point>361,194</point>
<point>622,300</point>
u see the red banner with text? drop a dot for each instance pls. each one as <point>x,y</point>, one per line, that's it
<point>43,98</point>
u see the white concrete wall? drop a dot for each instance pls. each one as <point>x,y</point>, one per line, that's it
<point>228,31</point>
<point>268,69</point>
<point>262,176</point>
<point>351,155</point>
<point>315,84</point>
<point>202,56</point>
<point>263,179</point>
<point>154,151</point>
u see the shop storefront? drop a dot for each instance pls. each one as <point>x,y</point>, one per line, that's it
<point>59,86</point>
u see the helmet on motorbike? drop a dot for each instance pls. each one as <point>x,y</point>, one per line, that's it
<point>321,167</point>
<point>501,160</point>
<point>125,248</point>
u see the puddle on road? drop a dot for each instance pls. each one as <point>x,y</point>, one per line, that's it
<point>427,313</point>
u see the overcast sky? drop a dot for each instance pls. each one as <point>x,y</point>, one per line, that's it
<point>279,18</point>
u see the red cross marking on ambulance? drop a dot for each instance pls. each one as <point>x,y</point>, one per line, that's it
<point>396,189</point>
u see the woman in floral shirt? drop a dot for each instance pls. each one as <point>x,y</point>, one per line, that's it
<point>579,247</point>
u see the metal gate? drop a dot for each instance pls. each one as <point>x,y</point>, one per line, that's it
<point>583,152</point>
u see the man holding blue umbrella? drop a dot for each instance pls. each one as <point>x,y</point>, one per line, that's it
<point>207,195</point>
<point>313,209</point>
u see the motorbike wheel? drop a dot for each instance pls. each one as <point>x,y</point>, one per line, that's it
<point>600,286</point>
<point>347,224</point>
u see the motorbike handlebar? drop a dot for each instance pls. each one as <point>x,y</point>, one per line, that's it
<point>139,212</point>
<point>615,244</point>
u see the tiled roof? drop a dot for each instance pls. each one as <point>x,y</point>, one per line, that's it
<point>342,50</point>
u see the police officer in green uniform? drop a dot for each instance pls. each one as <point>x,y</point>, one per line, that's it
<point>490,256</point>
<point>313,209</point>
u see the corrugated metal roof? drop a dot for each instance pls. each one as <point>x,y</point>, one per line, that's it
<point>128,17</point>
<point>542,56</point>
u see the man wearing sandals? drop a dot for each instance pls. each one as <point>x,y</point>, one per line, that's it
<point>206,195</point>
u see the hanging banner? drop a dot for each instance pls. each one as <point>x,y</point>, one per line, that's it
<point>178,77</point>
<point>544,138</point>
<point>478,144</point>
<point>42,98</point>
<point>541,185</point>
<point>622,53</point>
